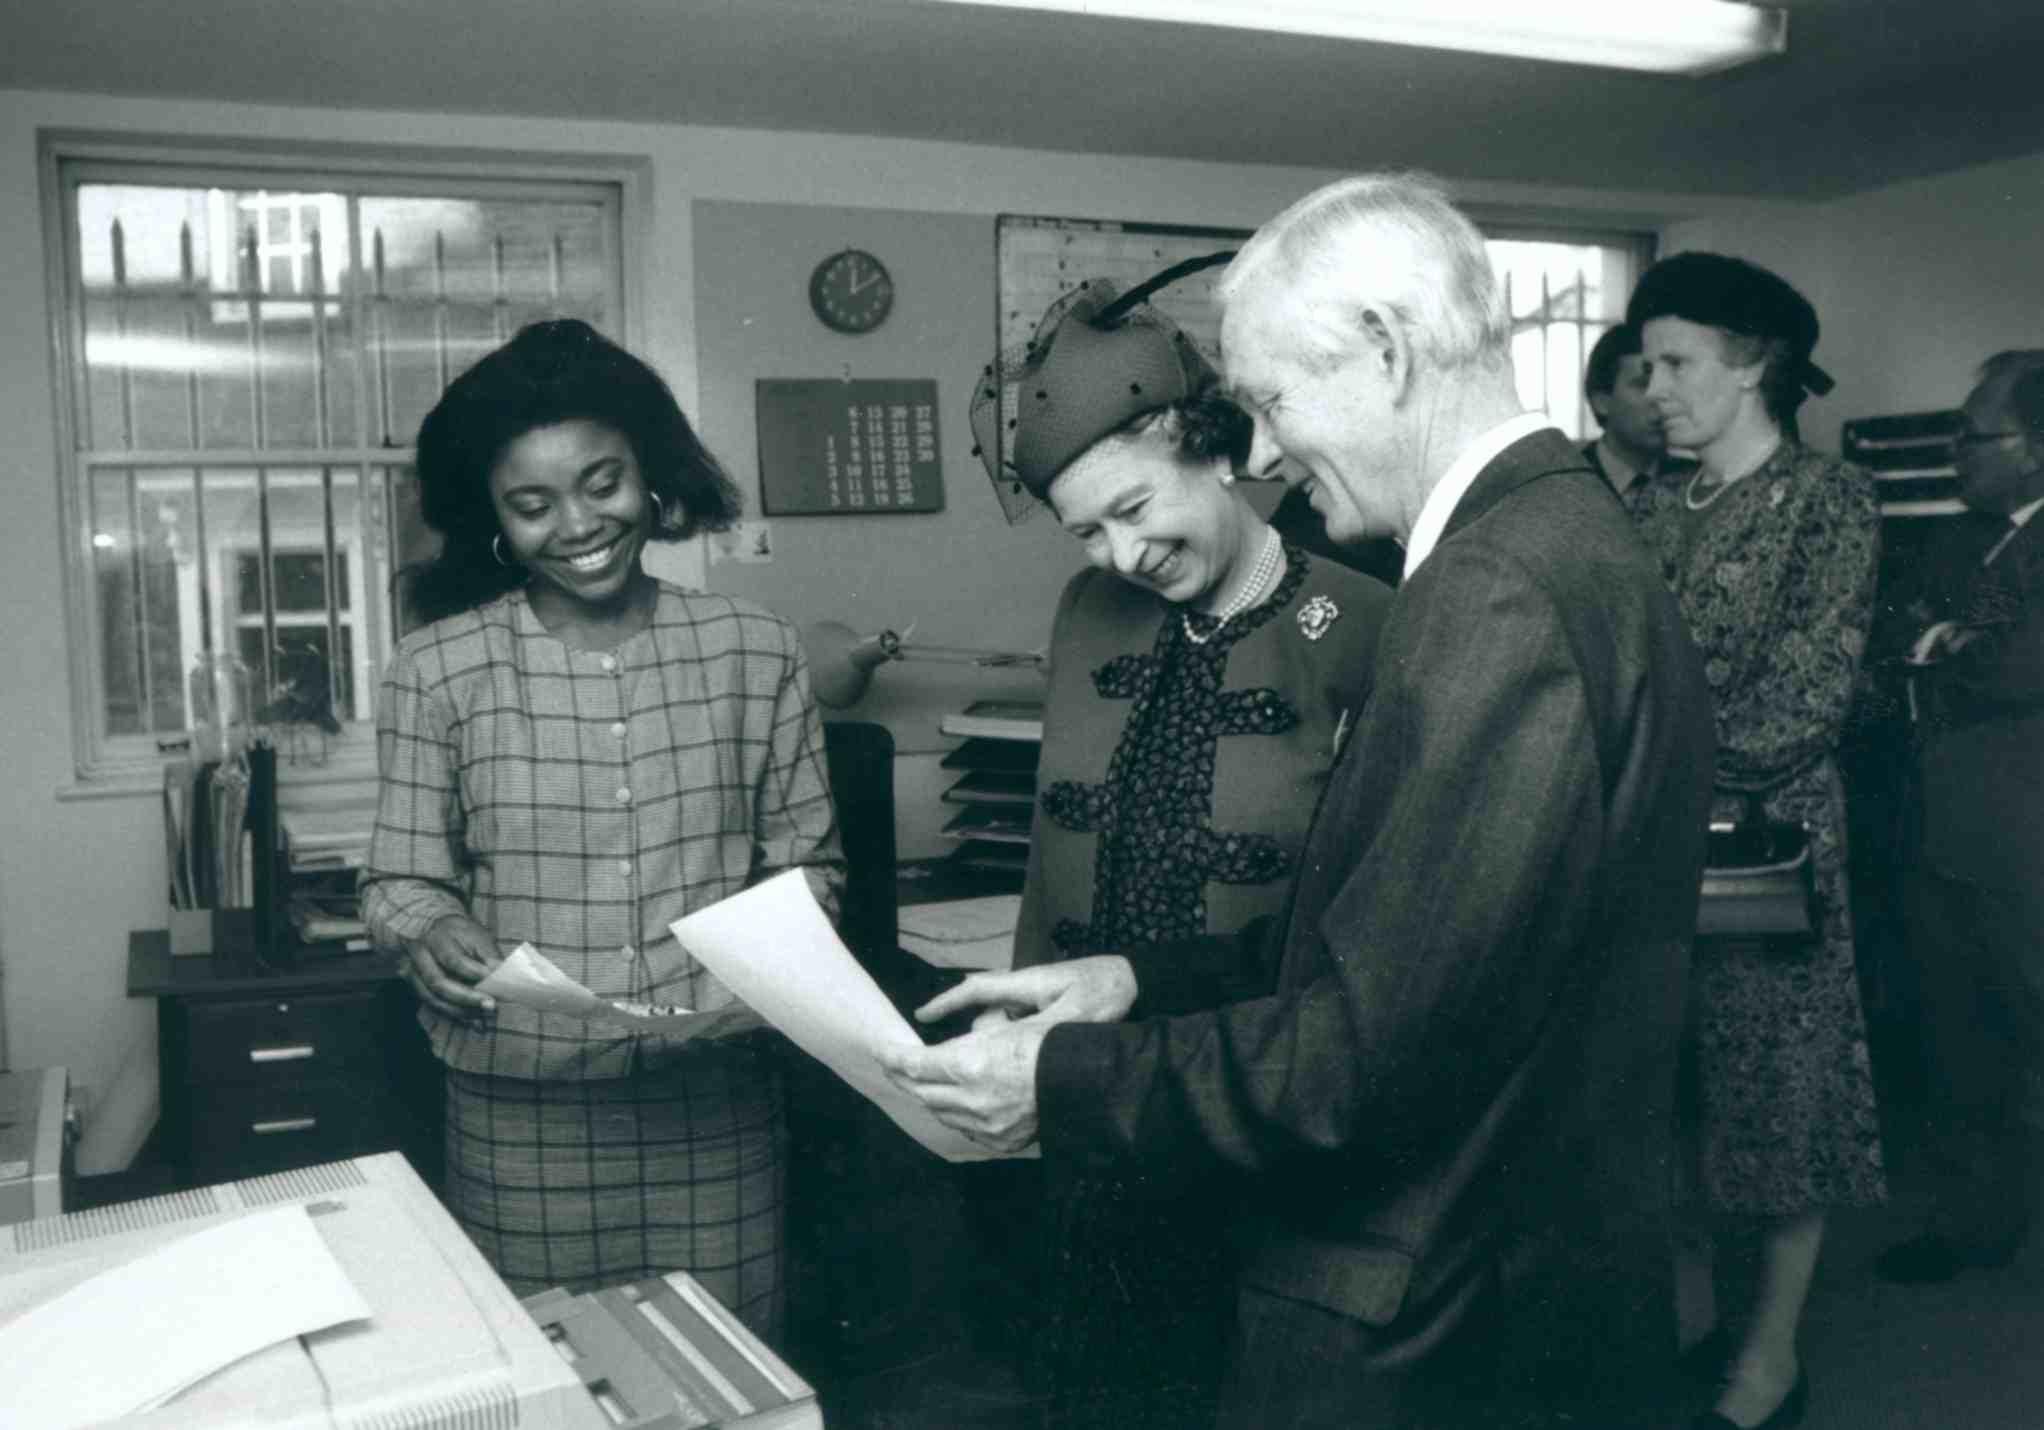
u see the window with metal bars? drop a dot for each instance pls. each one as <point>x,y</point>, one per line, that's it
<point>248,354</point>
<point>1563,289</point>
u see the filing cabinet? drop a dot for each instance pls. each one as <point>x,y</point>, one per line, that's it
<point>272,1059</point>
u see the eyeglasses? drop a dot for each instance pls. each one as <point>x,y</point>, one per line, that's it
<point>1974,439</point>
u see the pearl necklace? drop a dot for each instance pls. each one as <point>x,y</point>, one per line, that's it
<point>1258,585</point>
<point>1718,489</point>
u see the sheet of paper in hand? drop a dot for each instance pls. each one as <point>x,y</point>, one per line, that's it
<point>773,947</point>
<point>531,979</point>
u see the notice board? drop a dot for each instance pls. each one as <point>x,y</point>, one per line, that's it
<point>853,447</point>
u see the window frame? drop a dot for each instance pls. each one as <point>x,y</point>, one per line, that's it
<point>1639,237</point>
<point>123,765</point>
<point>1023,282</point>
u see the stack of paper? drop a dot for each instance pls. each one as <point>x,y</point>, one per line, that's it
<point>168,1318</point>
<point>962,933</point>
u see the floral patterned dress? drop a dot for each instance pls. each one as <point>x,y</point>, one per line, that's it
<point>1776,579</point>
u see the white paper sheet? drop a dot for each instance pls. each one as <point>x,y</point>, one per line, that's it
<point>772,946</point>
<point>529,977</point>
<point>169,1317</point>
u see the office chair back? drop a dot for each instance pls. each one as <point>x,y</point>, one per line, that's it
<point>860,757</point>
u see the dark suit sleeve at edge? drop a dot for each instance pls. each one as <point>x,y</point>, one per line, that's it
<point>1429,988</point>
<point>1202,973</point>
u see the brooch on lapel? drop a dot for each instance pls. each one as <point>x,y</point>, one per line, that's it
<point>1317,617</point>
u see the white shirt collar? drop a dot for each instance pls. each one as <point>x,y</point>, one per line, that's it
<point>1462,472</point>
<point>2018,519</point>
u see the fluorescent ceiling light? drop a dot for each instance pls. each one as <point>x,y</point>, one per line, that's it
<point>1667,36</point>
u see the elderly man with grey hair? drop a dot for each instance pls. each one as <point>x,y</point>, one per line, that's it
<point>1432,1098</point>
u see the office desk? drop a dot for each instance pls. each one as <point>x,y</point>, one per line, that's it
<point>279,1058</point>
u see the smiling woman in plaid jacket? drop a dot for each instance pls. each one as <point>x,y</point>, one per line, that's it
<point>573,754</point>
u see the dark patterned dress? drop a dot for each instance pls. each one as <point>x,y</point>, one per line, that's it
<point>1776,580</point>
<point>1176,784</point>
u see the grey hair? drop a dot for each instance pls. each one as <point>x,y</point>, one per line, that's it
<point>1385,242</point>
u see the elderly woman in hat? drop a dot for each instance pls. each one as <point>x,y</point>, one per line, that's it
<point>1771,549</point>
<point>1202,673</point>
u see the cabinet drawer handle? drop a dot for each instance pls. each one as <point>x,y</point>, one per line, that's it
<point>291,1053</point>
<point>284,1124</point>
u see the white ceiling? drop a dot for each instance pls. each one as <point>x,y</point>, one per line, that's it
<point>1871,91</point>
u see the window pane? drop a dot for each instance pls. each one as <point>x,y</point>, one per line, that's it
<point>300,581</point>
<point>223,317</point>
<point>452,278</point>
<point>301,688</point>
<point>142,597</point>
<point>1561,295</point>
<point>213,317</point>
<point>248,580</point>
<point>231,508</point>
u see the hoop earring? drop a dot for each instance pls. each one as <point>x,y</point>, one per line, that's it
<point>659,510</point>
<point>497,550</point>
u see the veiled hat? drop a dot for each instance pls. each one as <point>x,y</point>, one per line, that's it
<point>1098,360</point>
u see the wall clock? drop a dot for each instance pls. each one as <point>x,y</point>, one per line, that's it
<point>851,291</point>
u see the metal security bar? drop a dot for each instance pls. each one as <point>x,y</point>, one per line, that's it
<point>1562,297</point>
<point>244,406</point>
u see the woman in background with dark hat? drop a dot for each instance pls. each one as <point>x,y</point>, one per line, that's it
<point>1202,674</point>
<point>1771,549</point>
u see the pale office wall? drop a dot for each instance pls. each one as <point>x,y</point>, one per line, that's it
<point>1914,284</point>
<point>960,577</point>
<point>76,875</point>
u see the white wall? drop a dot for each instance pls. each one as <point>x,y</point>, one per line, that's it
<point>76,874</point>
<point>1914,284</point>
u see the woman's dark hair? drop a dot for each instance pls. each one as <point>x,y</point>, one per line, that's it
<point>561,370</point>
<point>1204,427</point>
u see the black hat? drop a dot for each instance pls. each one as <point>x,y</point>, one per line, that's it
<point>1100,359</point>
<point>1740,297</point>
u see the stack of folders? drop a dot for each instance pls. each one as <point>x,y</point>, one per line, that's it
<point>326,830</point>
<point>662,1354</point>
<point>207,823</point>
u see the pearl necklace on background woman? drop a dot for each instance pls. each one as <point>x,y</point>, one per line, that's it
<point>1254,590</point>
<point>1718,487</point>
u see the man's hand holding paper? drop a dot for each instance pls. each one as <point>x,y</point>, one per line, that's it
<point>772,946</point>
<point>983,1083</point>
